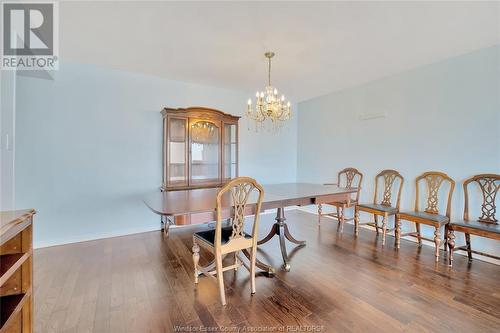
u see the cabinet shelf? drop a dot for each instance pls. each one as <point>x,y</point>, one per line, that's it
<point>10,306</point>
<point>9,263</point>
<point>204,163</point>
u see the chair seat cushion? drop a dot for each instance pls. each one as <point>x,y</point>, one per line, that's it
<point>426,216</point>
<point>382,208</point>
<point>209,235</point>
<point>483,226</point>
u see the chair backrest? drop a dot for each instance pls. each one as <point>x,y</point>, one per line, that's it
<point>434,180</point>
<point>489,185</point>
<point>389,178</point>
<point>349,178</point>
<point>235,196</point>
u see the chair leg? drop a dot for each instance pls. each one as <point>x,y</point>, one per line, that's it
<point>375,219</point>
<point>236,261</point>
<point>469,249</point>
<point>338,217</point>
<point>397,232</point>
<point>417,227</point>
<point>451,245</point>
<point>356,221</point>
<point>445,247</point>
<point>220,278</point>
<point>384,227</point>
<point>196,259</point>
<point>320,211</point>
<point>437,241</point>
<point>341,219</point>
<point>252,268</point>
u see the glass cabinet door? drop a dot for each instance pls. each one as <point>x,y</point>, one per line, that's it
<point>177,152</point>
<point>230,151</point>
<point>204,153</point>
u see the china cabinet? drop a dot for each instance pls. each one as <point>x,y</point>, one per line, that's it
<point>200,148</point>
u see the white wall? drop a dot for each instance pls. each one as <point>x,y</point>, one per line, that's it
<point>445,116</point>
<point>89,148</point>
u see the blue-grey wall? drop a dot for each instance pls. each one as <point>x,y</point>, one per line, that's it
<point>444,116</point>
<point>88,148</point>
<point>88,143</point>
<point>7,133</point>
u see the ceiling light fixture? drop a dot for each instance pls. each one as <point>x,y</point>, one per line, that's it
<point>268,105</point>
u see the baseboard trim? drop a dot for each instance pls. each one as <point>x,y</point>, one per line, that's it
<point>89,238</point>
<point>413,239</point>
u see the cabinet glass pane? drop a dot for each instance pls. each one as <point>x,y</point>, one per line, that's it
<point>230,133</point>
<point>229,151</point>
<point>205,157</point>
<point>177,130</point>
<point>227,171</point>
<point>233,152</point>
<point>177,152</point>
<point>233,170</point>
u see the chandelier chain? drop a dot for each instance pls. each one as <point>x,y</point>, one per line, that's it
<point>269,73</point>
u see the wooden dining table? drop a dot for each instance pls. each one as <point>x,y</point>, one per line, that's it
<point>198,206</point>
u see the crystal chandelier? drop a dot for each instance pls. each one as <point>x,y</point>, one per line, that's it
<point>268,105</point>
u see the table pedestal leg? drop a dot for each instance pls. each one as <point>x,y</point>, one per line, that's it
<point>280,228</point>
<point>165,225</point>
<point>266,268</point>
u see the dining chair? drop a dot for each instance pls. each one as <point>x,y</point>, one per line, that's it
<point>348,178</point>
<point>431,214</point>
<point>385,208</point>
<point>224,240</point>
<point>486,225</point>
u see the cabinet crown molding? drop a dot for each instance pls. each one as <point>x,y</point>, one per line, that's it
<point>199,111</point>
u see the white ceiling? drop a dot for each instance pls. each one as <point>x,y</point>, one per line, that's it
<point>320,46</point>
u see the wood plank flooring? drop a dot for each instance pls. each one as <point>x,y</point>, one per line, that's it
<point>337,283</point>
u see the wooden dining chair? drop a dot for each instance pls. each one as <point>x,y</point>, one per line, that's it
<point>430,215</point>
<point>384,208</point>
<point>486,225</point>
<point>232,239</point>
<point>348,178</point>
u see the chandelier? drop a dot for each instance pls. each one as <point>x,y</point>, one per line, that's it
<point>268,105</point>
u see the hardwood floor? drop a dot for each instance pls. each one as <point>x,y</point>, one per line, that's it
<point>337,283</point>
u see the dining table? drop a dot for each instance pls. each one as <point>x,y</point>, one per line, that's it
<point>195,206</point>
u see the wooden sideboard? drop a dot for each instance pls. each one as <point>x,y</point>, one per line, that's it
<point>16,271</point>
